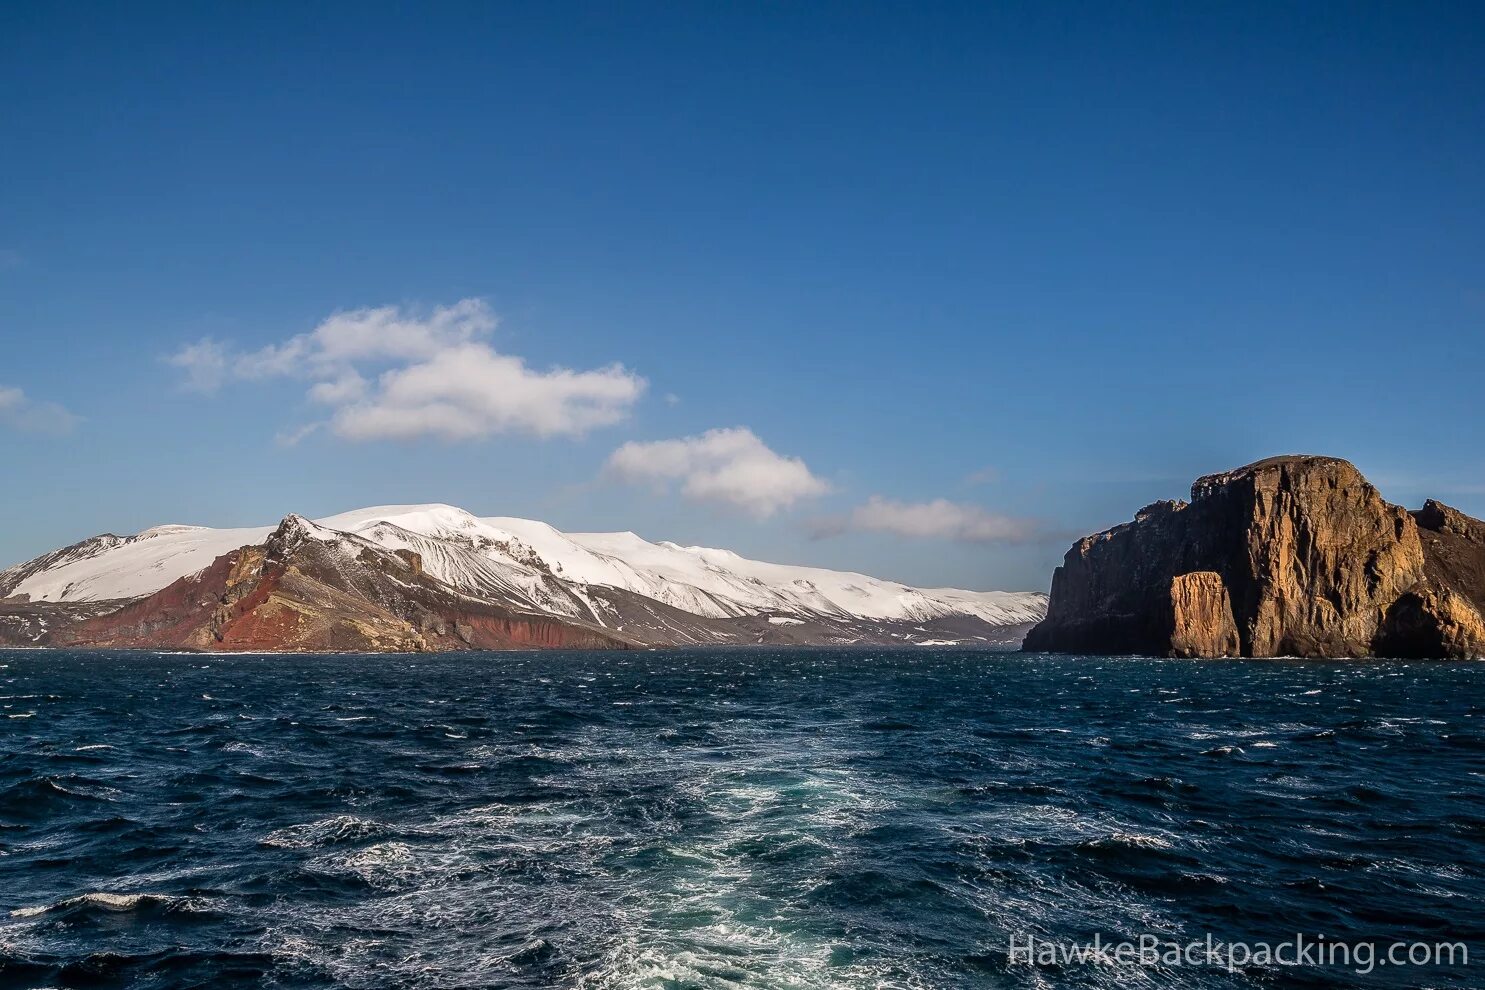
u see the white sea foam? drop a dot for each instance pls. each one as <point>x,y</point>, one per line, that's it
<point>327,831</point>
<point>105,900</point>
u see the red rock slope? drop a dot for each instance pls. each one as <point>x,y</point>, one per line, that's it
<point>312,589</point>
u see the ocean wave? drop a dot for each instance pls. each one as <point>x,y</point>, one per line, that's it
<point>114,902</point>
<point>1223,751</point>
<point>1128,840</point>
<point>326,832</point>
<point>761,823</point>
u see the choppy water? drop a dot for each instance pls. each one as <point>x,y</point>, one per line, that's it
<point>723,819</point>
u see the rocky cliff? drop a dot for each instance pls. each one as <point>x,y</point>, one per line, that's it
<point>1291,556</point>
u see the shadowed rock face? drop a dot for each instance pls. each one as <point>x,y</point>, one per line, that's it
<point>1291,556</point>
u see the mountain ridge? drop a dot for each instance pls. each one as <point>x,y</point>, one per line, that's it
<point>611,585</point>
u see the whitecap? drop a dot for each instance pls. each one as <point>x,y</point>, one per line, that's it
<point>103,899</point>
<point>328,831</point>
<point>1134,840</point>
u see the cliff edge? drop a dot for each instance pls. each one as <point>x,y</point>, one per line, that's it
<point>1290,556</point>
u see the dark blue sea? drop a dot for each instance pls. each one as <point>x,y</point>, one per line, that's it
<point>742,818</point>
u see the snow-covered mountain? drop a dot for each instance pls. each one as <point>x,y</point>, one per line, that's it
<point>601,579</point>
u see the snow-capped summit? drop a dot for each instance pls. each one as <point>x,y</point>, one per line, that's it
<point>695,594</point>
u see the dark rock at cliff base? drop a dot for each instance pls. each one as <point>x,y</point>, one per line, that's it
<point>1291,556</point>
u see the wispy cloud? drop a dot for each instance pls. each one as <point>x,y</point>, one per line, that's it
<point>205,363</point>
<point>22,413</point>
<point>390,373</point>
<point>291,438</point>
<point>939,519</point>
<point>729,467</point>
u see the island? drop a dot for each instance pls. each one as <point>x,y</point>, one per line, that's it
<point>1290,556</point>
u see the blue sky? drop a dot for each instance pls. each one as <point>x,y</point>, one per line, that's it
<point>958,282</point>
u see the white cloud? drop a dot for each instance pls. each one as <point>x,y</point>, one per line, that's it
<point>728,466</point>
<point>349,387</point>
<point>19,412</point>
<point>372,335</point>
<point>205,365</point>
<point>470,391</point>
<point>387,373</point>
<point>939,519</point>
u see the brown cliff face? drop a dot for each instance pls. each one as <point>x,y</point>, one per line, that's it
<point>1444,616</point>
<point>1309,557</point>
<point>1453,550</point>
<point>311,590</point>
<point>1201,617</point>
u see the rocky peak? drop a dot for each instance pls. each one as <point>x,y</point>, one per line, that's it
<point>292,533</point>
<point>1437,517</point>
<point>1165,507</point>
<point>1287,471</point>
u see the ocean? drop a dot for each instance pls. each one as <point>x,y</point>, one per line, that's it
<point>731,818</point>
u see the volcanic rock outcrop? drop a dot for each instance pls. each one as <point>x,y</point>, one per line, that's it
<point>432,577</point>
<point>1290,556</point>
<point>313,590</point>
